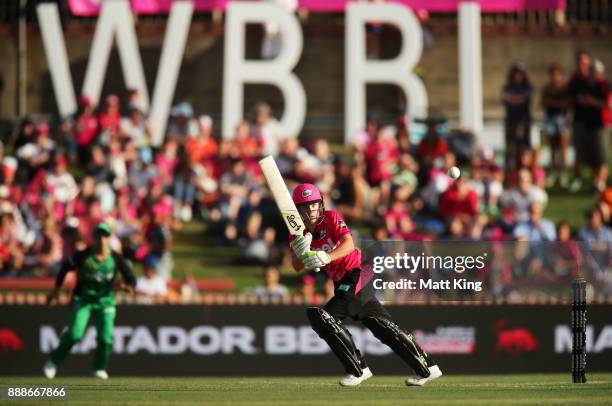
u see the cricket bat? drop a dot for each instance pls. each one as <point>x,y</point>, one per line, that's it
<point>282,197</point>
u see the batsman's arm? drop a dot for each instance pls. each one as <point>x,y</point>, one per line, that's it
<point>346,246</point>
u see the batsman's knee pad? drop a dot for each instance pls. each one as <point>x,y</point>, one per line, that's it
<point>401,342</point>
<point>337,337</point>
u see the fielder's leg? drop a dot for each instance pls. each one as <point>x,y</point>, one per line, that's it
<point>105,320</point>
<point>78,319</point>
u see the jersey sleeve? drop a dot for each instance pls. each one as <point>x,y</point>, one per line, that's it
<point>338,225</point>
<point>70,264</point>
<point>125,269</point>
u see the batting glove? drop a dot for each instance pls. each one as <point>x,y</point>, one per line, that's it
<point>301,244</point>
<point>315,259</point>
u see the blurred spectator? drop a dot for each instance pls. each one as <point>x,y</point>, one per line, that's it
<point>8,175</point>
<point>459,200</point>
<point>100,170</point>
<point>349,191</point>
<point>151,285</point>
<point>402,135</point>
<point>605,198</point>
<point>323,164</point>
<point>182,125</point>
<point>140,175</point>
<point>393,218</point>
<point>405,181</point>
<point>363,137</point>
<point>127,220</point>
<point>597,241</point>
<point>62,185</point>
<point>536,228</point>
<point>437,182</point>
<point>158,237</point>
<point>11,252</point>
<point>26,133</point>
<point>257,231</point>
<point>601,174</point>
<point>48,249</point>
<point>82,131</point>
<point>135,128</point>
<point>184,187</point>
<point>134,100</point>
<point>189,287</point>
<point>556,100</point>
<point>166,161</point>
<point>589,98</point>
<point>245,145</point>
<point>528,160</point>
<point>516,97</point>
<point>380,232</point>
<point>520,197</point>
<point>271,287</point>
<point>432,147</point>
<point>37,153</point>
<point>381,156</point>
<point>566,253</point>
<point>486,180</point>
<point>266,131</point>
<point>595,232</point>
<point>456,230</point>
<point>110,116</point>
<point>307,290</point>
<point>98,166</point>
<point>203,148</point>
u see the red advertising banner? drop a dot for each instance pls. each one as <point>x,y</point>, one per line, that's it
<point>92,7</point>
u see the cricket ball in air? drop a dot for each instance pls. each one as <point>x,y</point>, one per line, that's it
<point>454,172</point>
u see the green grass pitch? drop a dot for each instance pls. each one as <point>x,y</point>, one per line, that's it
<point>527,389</point>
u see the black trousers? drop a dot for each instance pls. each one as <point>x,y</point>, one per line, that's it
<point>354,298</point>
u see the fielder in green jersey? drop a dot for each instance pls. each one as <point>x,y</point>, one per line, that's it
<point>97,267</point>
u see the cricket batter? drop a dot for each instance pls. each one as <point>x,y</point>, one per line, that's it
<point>328,244</point>
<point>97,266</point>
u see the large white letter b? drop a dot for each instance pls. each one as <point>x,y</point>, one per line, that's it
<point>360,71</point>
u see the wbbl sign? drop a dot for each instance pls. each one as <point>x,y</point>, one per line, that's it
<point>277,340</point>
<point>116,23</point>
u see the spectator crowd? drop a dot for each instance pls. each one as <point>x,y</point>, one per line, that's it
<point>100,165</point>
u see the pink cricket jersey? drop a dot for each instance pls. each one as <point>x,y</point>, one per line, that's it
<point>327,236</point>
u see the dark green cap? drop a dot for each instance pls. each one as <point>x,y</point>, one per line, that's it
<point>102,229</point>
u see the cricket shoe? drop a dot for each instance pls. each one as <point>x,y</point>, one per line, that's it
<point>100,374</point>
<point>50,369</point>
<point>352,380</point>
<point>434,372</point>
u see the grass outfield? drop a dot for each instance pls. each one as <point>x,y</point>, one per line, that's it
<point>528,389</point>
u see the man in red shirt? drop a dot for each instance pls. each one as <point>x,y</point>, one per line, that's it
<point>431,146</point>
<point>459,200</point>
<point>328,245</point>
<point>380,156</point>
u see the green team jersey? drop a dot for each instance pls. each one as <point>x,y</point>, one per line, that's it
<point>95,277</point>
